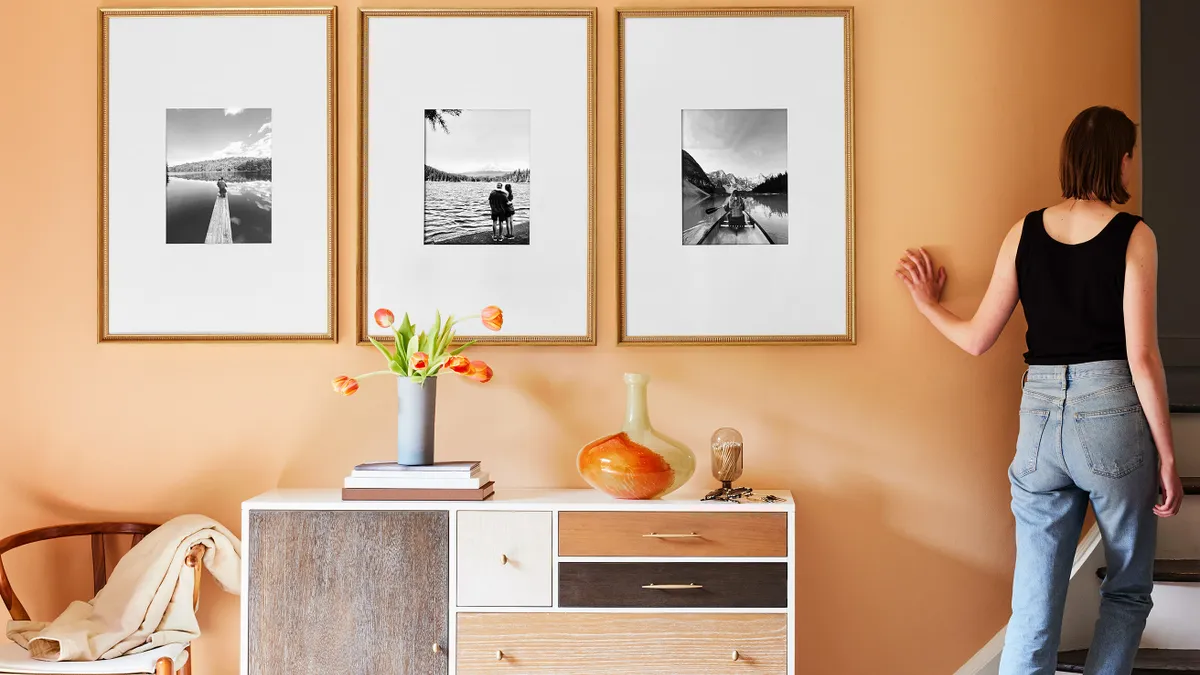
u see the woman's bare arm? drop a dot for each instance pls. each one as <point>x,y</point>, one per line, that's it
<point>1145,360</point>
<point>977,334</point>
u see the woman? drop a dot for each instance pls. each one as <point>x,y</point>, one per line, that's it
<point>737,211</point>
<point>1094,406</point>
<point>509,210</point>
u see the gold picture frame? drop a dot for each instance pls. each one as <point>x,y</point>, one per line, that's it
<point>363,314</point>
<point>849,337</point>
<point>105,14</point>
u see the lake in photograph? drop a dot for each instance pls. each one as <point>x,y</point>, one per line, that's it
<point>459,213</point>
<point>770,211</point>
<point>191,198</point>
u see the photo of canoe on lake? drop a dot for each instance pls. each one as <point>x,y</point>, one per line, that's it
<point>477,178</point>
<point>218,182</point>
<point>734,174</point>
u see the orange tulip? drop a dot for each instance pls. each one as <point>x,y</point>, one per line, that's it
<point>419,360</point>
<point>345,385</point>
<point>457,364</point>
<point>384,317</point>
<point>480,371</point>
<point>492,317</point>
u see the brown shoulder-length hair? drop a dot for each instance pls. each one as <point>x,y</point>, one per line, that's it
<point>1092,153</point>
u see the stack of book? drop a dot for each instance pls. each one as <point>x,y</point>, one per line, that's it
<point>441,481</point>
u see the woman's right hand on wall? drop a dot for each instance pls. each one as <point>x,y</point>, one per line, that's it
<point>924,282</point>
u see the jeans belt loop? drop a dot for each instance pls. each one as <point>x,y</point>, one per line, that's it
<point>1024,378</point>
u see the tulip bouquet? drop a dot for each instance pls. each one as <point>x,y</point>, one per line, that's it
<point>419,356</point>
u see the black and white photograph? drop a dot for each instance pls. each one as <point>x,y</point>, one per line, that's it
<point>476,176</point>
<point>735,177</point>
<point>218,176</point>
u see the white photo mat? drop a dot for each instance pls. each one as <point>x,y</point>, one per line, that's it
<point>799,292</point>
<point>155,60</point>
<point>546,288</point>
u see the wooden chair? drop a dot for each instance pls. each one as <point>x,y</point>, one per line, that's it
<point>159,661</point>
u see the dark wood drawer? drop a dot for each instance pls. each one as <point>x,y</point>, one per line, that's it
<point>667,584</point>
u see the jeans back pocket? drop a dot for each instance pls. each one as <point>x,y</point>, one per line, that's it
<point>1029,441</point>
<point>1115,442</point>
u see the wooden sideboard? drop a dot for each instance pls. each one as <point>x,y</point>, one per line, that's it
<point>553,582</point>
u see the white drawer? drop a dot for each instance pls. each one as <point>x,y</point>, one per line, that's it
<point>504,559</point>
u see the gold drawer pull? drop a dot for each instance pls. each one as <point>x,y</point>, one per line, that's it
<point>499,655</point>
<point>672,587</point>
<point>503,559</point>
<point>656,535</point>
<point>437,649</point>
<point>736,655</point>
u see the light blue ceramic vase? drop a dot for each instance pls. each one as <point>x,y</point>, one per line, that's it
<point>414,421</point>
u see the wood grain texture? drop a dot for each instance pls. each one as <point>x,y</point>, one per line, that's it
<point>1173,571</point>
<point>620,644</point>
<point>505,559</point>
<point>606,584</point>
<point>1148,661</point>
<point>348,592</point>
<point>99,564</point>
<point>599,533</point>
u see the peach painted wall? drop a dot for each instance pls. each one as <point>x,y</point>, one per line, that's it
<point>896,447</point>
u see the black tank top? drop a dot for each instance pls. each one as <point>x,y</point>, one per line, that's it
<point>1073,294</point>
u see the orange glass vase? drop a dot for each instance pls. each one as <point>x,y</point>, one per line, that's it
<point>638,462</point>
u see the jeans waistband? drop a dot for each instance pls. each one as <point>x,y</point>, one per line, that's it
<point>1079,370</point>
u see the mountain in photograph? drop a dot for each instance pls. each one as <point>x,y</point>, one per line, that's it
<point>242,164</point>
<point>731,182</point>
<point>695,179</point>
<point>437,175</point>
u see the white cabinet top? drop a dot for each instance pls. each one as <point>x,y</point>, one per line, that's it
<point>330,499</point>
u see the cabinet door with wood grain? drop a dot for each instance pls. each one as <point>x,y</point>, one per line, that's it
<point>348,592</point>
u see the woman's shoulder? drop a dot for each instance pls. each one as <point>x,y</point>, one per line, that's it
<point>1034,217</point>
<point>1132,218</point>
<point>1029,221</point>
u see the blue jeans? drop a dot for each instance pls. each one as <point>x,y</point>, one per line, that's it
<point>1083,437</point>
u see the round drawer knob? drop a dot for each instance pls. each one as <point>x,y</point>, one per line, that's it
<point>503,559</point>
<point>499,655</point>
<point>736,655</point>
<point>437,649</point>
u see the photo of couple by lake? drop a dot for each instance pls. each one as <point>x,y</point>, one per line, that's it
<point>735,177</point>
<point>218,176</point>
<point>476,176</point>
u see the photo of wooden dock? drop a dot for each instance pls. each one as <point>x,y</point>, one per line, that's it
<point>219,229</point>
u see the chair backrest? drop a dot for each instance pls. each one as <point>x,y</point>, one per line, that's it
<point>97,531</point>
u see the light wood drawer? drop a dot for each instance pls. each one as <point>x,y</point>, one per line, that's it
<point>504,559</point>
<point>620,644</point>
<point>672,584</point>
<point>632,533</point>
